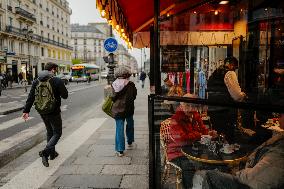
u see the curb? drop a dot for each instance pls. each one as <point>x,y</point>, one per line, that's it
<point>12,110</point>
<point>15,151</point>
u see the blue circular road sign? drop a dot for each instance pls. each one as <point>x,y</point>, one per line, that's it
<point>110,44</point>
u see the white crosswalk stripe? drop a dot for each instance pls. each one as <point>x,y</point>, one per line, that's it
<point>2,116</point>
<point>64,108</point>
<point>12,123</point>
<point>26,178</point>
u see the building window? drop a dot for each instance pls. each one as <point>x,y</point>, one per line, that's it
<point>42,51</point>
<point>10,21</point>
<point>21,48</point>
<point>42,66</point>
<point>1,44</point>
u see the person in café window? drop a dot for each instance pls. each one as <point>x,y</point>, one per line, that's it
<point>171,90</point>
<point>264,169</point>
<point>186,127</point>
<point>223,86</point>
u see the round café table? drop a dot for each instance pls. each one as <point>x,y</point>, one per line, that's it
<point>201,153</point>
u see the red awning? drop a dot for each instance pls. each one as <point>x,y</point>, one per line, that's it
<point>137,17</point>
<point>140,15</point>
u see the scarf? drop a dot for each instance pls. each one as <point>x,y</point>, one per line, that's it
<point>119,84</point>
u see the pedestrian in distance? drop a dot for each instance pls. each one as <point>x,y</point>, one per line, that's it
<point>1,81</point>
<point>21,77</point>
<point>9,79</point>
<point>142,78</point>
<point>46,93</point>
<point>124,94</point>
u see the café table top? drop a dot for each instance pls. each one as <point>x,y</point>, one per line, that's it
<point>202,154</point>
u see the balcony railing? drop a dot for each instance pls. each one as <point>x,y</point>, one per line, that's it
<point>25,14</point>
<point>16,31</point>
<point>35,37</point>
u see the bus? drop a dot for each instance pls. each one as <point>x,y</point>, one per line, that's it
<point>82,72</point>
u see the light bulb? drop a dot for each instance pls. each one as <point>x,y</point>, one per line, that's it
<point>103,13</point>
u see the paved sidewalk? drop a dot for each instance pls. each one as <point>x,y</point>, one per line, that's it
<point>95,165</point>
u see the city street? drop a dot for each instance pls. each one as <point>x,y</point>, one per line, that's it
<point>14,130</point>
<point>87,158</point>
<point>74,105</point>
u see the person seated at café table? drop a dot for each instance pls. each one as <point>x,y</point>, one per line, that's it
<point>186,127</point>
<point>264,169</point>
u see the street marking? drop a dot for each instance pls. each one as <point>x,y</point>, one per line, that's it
<point>64,108</point>
<point>26,178</point>
<point>71,92</point>
<point>24,95</point>
<point>12,123</point>
<point>2,116</point>
<point>16,97</point>
<point>12,102</point>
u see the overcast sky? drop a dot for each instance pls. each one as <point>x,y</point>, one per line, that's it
<point>84,12</point>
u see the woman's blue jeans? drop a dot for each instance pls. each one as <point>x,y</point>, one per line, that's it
<point>119,133</point>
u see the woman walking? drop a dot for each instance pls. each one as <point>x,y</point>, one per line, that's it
<point>123,108</point>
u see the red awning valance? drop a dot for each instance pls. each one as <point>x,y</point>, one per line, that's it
<point>138,16</point>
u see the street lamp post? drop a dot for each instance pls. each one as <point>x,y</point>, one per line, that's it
<point>29,73</point>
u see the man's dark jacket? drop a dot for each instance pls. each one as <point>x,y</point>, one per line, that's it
<point>59,91</point>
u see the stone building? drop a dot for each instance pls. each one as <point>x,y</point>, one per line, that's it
<point>32,33</point>
<point>88,45</point>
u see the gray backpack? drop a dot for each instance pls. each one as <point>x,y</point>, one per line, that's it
<point>45,101</point>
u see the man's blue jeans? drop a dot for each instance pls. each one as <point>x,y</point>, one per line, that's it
<point>119,134</point>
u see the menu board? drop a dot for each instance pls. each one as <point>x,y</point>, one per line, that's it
<point>173,59</point>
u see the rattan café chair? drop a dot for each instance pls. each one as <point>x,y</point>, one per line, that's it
<point>165,137</point>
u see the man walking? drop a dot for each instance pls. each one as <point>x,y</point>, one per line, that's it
<point>142,78</point>
<point>46,93</point>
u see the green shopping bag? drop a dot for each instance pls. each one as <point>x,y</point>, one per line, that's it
<point>107,105</point>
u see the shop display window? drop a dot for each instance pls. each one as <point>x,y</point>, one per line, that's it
<point>222,103</point>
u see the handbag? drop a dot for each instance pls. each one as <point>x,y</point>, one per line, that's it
<point>107,106</point>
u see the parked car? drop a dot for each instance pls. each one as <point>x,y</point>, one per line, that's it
<point>64,78</point>
<point>103,75</point>
<point>68,75</point>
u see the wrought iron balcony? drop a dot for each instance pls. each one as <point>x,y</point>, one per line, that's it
<point>15,31</point>
<point>25,14</point>
<point>35,37</point>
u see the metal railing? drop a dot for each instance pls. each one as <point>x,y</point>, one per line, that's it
<point>25,13</point>
<point>20,32</point>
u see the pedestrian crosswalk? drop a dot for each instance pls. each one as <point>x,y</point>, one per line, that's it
<point>26,178</point>
<point>11,123</point>
<point>64,108</point>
